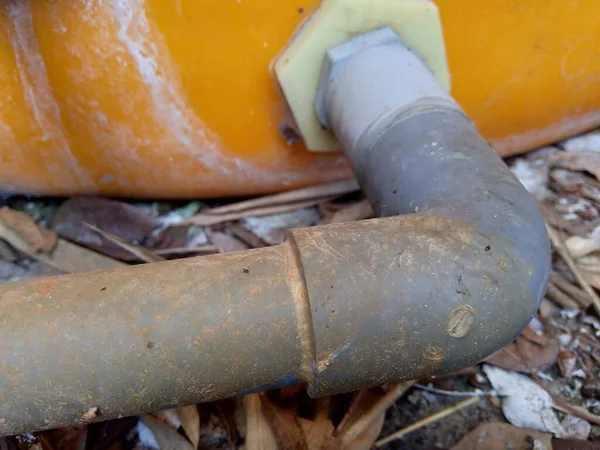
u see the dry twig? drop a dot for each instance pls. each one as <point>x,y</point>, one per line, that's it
<point>581,297</point>
<point>564,253</point>
<point>138,251</point>
<point>274,204</point>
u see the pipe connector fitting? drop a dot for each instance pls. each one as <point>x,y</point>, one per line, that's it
<point>472,257</point>
<point>379,77</point>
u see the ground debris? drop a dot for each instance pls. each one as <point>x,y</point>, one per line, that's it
<point>530,351</point>
<point>502,436</point>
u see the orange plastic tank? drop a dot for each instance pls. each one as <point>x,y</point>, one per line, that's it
<point>176,98</point>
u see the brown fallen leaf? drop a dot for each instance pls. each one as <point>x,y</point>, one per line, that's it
<point>566,363</point>
<point>136,250</point>
<point>284,424</point>
<point>166,436</point>
<point>318,433</point>
<point>529,351</point>
<point>567,180</point>
<point>560,298</point>
<point>353,430</point>
<point>71,258</point>
<point>562,250</point>
<point>577,160</point>
<point>65,256</point>
<point>577,294</point>
<point>362,403</point>
<point>259,435</point>
<point>118,218</point>
<point>572,227</point>
<point>190,421</point>
<point>502,436</point>
<point>37,238</point>
<point>560,404</point>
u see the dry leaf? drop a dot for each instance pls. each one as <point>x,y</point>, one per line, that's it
<point>527,352</point>
<point>190,421</point>
<point>71,258</point>
<point>578,160</point>
<point>65,257</point>
<point>115,217</point>
<point>560,298</point>
<point>364,421</point>
<point>37,238</point>
<point>166,436</point>
<point>259,435</point>
<point>502,436</point>
<point>567,180</point>
<point>136,250</point>
<point>525,404</point>
<point>566,363</point>
<point>362,402</point>
<point>580,296</point>
<point>579,246</point>
<point>318,433</point>
<point>284,424</point>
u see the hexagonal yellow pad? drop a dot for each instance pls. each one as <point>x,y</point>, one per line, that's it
<point>298,69</point>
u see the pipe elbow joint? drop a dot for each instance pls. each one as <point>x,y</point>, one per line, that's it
<point>459,259</point>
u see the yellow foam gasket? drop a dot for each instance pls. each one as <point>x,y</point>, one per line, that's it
<point>298,69</point>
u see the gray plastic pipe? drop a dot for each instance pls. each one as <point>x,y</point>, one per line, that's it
<point>452,271</point>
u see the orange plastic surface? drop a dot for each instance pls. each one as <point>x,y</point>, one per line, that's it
<point>175,98</point>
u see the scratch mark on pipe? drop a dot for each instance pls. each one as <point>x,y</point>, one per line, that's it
<point>325,362</point>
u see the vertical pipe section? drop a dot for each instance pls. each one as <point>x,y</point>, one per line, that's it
<point>462,262</point>
<point>120,342</point>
